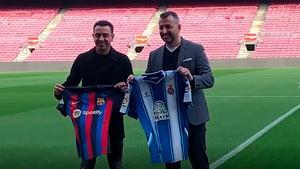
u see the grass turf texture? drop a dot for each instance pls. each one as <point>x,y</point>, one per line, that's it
<point>243,101</point>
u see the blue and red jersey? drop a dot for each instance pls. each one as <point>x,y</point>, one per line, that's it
<point>90,110</point>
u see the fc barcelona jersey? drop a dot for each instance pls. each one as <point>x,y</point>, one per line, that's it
<point>90,111</point>
<point>160,101</point>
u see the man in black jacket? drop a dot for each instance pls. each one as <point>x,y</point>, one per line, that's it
<point>102,65</point>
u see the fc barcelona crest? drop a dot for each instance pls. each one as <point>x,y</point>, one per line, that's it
<point>100,101</point>
<point>170,89</point>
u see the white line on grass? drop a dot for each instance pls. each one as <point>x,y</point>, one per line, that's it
<point>212,96</point>
<point>242,146</point>
<point>298,85</point>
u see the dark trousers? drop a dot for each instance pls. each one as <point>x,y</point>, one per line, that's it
<point>114,158</point>
<point>197,148</point>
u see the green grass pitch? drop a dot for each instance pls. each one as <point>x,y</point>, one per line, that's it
<point>33,135</point>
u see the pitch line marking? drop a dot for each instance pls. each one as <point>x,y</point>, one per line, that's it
<point>242,146</point>
<point>298,85</point>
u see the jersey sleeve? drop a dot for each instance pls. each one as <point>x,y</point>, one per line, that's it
<point>128,104</point>
<point>187,98</point>
<point>61,108</point>
<point>184,87</point>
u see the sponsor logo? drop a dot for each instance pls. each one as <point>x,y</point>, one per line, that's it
<point>93,112</point>
<point>160,111</point>
<point>74,103</point>
<point>78,112</point>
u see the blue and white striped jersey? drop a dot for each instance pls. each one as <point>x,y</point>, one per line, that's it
<point>160,101</point>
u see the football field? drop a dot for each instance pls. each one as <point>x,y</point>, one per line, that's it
<point>255,123</point>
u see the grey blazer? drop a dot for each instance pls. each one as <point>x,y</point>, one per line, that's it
<point>191,56</point>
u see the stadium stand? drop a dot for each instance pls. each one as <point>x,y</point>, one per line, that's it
<point>280,34</point>
<point>17,25</point>
<point>74,34</point>
<point>219,26</point>
<point>219,29</point>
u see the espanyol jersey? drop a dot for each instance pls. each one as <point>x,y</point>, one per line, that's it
<point>90,110</point>
<point>160,101</point>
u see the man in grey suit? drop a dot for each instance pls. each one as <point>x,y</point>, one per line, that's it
<point>190,60</point>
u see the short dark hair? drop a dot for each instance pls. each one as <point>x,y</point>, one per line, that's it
<point>169,13</point>
<point>104,23</point>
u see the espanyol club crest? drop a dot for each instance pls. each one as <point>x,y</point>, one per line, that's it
<point>76,113</point>
<point>170,89</point>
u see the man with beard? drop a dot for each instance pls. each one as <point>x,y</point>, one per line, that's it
<point>102,65</point>
<point>190,61</point>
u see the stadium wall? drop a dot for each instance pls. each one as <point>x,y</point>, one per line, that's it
<point>141,65</point>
